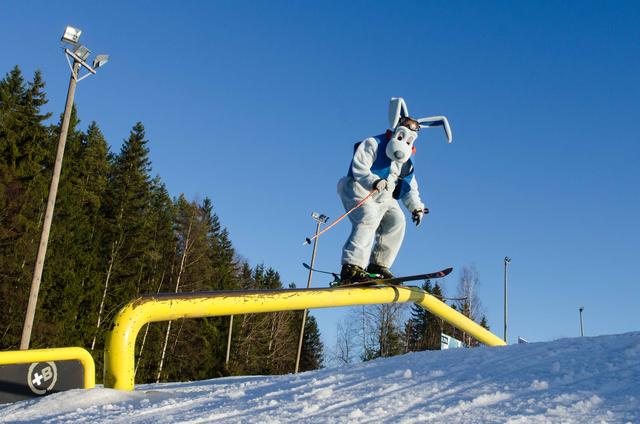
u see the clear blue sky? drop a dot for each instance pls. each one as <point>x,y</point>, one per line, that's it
<point>257,105</point>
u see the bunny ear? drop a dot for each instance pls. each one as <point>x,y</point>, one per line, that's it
<point>437,121</point>
<point>397,109</point>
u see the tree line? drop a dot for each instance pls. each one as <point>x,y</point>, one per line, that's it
<point>117,234</point>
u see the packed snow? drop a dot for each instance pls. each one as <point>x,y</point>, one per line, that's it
<point>590,379</point>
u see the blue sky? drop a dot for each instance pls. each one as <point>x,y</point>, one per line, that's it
<point>258,105</point>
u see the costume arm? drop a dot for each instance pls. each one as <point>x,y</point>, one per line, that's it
<point>411,199</point>
<point>363,158</point>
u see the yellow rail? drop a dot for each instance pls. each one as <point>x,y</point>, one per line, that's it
<point>120,344</point>
<point>54,354</point>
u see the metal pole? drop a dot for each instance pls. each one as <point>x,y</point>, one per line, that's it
<point>581,326</point>
<point>506,265</point>
<point>48,216</point>
<point>229,339</point>
<point>304,312</point>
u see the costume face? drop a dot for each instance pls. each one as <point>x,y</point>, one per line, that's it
<point>400,146</point>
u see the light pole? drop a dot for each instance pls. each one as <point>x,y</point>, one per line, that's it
<point>229,339</point>
<point>507,260</point>
<point>581,326</point>
<point>320,219</point>
<point>78,54</point>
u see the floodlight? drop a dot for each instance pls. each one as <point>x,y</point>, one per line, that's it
<point>319,218</point>
<point>71,35</point>
<point>100,60</point>
<point>82,52</point>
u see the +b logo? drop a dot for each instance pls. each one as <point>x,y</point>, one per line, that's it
<point>42,376</point>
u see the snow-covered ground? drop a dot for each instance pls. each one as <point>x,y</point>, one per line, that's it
<point>591,379</point>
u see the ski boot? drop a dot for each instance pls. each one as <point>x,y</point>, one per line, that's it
<point>352,274</point>
<point>383,271</point>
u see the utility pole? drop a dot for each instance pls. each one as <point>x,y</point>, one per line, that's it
<point>507,260</point>
<point>320,219</point>
<point>581,326</point>
<point>79,55</point>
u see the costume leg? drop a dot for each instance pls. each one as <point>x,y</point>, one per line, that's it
<point>364,221</point>
<point>389,235</point>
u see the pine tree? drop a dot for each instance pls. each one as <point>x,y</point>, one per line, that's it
<point>435,323</point>
<point>12,119</point>
<point>221,252</point>
<point>161,258</point>
<point>90,185</point>
<point>484,323</point>
<point>126,232</point>
<point>416,327</point>
<point>312,354</point>
<point>67,252</point>
<point>423,328</point>
<point>24,141</point>
<point>23,136</point>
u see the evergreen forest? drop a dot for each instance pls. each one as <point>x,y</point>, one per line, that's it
<point>117,234</point>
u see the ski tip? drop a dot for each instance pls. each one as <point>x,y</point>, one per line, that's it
<point>304,264</point>
<point>446,271</point>
<point>306,241</point>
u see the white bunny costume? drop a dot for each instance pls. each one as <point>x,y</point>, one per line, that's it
<point>383,162</point>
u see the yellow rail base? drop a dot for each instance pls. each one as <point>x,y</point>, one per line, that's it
<point>120,344</point>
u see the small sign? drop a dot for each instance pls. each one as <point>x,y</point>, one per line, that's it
<point>26,381</point>
<point>448,342</point>
<point>42,377</point>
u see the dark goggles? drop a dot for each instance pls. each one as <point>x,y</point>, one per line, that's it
<point>407,122</point>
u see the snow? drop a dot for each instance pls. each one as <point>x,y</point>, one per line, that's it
<point>595,379</point>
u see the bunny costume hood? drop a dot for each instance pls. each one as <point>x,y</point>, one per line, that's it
<point>405,129</point>
<point>388,157</point>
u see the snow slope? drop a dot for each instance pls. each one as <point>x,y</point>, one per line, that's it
<point>595,379</point>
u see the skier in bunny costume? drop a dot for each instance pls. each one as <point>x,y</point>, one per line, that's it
<point>382,164</point>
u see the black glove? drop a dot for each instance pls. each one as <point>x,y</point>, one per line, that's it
<point>416,215</point>
<point>380,185</point>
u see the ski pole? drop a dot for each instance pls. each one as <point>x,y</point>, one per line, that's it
<point>340,218</point>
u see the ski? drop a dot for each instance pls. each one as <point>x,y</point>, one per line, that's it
<point>396,281</point>
<point>335,275</point>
